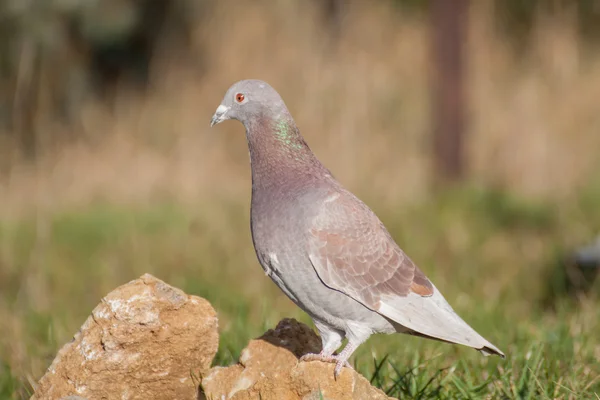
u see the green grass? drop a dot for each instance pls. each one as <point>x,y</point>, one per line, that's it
<point>494,256</point>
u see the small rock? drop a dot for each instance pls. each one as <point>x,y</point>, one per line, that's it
<point>144,340</point>
<point>269,370</point>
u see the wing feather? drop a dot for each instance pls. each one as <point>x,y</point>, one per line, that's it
<point>354,253</point>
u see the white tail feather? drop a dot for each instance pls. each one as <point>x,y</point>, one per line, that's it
<point>432,316</point>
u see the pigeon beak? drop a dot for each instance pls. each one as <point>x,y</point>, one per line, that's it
<point>219,116</point>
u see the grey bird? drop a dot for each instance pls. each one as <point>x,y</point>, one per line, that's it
<point>323,247</point>
<point>588,257</point>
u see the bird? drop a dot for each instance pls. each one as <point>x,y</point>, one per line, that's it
<point>588,257</point>
<point>583,268</point>
<point>325,248</point>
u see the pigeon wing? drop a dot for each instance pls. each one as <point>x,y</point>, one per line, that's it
<point>353,252</point>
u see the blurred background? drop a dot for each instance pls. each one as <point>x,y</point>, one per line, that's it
<point>471,128</point>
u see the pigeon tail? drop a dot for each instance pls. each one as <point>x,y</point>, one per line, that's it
<point>434,318</point>
<point>491,350</point>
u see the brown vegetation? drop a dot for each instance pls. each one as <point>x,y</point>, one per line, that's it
<point>362,103</point>
<point>362,100</point>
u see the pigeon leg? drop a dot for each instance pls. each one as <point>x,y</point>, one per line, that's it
<point>342,358</point>
<point>331,340</point>
<point>357,334</point>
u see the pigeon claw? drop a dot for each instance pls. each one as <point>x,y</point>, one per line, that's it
<point>328,358</point>
<point>338,368</point>
<point>318,357</point>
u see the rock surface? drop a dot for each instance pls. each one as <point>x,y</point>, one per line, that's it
<point>269,370</point>
<point>145,340</point>
<point>148,340</point>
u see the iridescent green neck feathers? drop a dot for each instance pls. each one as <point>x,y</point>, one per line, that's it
<point>287,134</point>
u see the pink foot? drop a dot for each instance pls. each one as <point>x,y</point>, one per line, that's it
<point>334,359</point>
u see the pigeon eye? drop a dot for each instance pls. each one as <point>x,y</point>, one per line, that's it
<point>239,97</point>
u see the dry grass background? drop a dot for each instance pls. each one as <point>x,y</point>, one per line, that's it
<point>363,106</point>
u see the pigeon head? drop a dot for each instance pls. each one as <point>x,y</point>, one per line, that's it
<point>275,144</point>
<point>248,101</point>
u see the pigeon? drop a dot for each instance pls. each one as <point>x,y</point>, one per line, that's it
<point>325,248</point>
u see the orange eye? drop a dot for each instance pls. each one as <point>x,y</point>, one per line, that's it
<point>239,97</point>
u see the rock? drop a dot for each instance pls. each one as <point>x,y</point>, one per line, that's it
<point>145,340</point>
<point>268,369</point>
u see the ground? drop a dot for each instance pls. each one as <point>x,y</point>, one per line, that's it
<point>496,258</point>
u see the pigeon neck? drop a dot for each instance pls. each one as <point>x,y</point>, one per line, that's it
<point>278,152</point>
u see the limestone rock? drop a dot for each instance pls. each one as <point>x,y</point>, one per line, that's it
<point>268,369</point>
<point>145,340</point>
